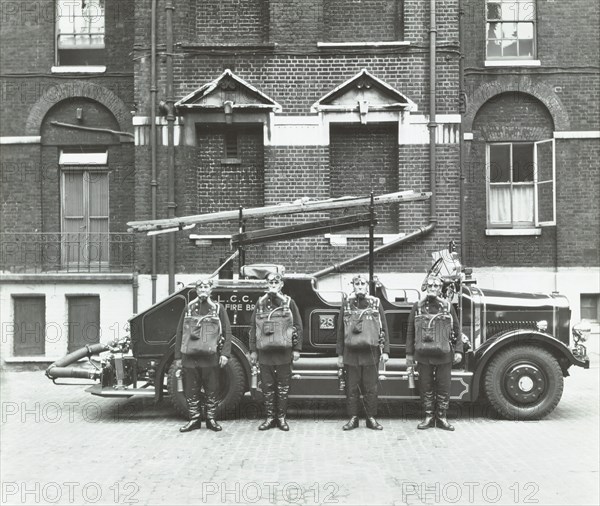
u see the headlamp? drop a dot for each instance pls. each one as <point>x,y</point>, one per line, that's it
<point>581,331</point>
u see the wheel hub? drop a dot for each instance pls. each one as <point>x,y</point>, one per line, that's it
<point>525,383</point>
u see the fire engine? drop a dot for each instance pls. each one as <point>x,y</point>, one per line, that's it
<point>518,345</point>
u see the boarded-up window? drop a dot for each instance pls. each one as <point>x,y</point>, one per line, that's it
<point>363,20</point>
<point>84,321</point>
<point>30,325</point>
<point>364,159</point>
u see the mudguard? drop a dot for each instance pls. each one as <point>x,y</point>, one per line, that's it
<point>520,336</point>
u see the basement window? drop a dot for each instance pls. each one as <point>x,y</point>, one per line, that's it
<point>590,306</point>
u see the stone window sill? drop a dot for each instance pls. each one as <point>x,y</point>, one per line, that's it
<point>32,359</point>
<point>79,69</point>
<point>228,45</point>
<point>341,45</point>
<point>231,161</point>
<point>341,240</point>
<point>207,240</point>
<point>512,231</point>
<point>512,63</point>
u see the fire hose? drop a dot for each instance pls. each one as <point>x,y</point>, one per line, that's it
<point>61,369</point>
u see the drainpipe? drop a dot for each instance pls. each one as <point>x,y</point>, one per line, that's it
<point>461,141</point>
<point>461,148</point>
<point>169,8</point>
<point>432,125</point>
<point>153,180</point>
<point>135,285</point>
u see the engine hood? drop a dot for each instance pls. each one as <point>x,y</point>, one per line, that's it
<point>523,300</point>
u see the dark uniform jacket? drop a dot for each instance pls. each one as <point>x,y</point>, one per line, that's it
<point>198,308</point>
<point>366,356</point>
<point>278,357</point>
<point>433,307</point>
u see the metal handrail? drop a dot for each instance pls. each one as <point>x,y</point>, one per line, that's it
<point>35,252</point>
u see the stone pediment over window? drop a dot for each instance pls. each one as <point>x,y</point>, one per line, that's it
<point>229,93</point>
<point>364,93</point>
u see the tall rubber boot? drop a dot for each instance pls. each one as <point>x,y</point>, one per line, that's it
<point>443,402</point>
<point>270,422</point>
<point>282,402</point>
<point>428,406</point>
<point>194,414</point>
<point>211,413</point>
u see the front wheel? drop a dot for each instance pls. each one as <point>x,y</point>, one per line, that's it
<point>232,385</point>
<point>524,383</point>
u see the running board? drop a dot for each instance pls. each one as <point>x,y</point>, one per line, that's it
<point>315,384</point>
<point>101,391</point>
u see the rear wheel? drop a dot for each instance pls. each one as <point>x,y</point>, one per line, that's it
<point>524,383</point>
<point>232,385</point>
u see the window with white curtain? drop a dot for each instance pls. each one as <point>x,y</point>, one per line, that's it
<point>80,32</point>
<point>510,29</point>
<point>521,184</point>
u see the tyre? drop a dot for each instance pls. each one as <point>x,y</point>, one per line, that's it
<point>523,383</point>
<point>232,385</point>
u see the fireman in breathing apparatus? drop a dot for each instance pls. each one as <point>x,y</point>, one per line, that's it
<point>275,340</point>
<point>362,341</point>
<point>203,344</point>
<point>433,341</point>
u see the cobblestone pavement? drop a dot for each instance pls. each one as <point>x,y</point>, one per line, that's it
<point>59,445</point>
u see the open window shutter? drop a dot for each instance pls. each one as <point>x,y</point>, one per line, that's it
<point>545,183</point>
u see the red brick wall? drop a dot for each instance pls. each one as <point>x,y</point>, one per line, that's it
<point>364,159</point>
<point>31,96</point>
<point>203,184</point>
<point>20,189</point>
<point>27,40</point>
<point>26,36</point>
<point>568,48</point>
<point>578,205</point>
<point>226,21</point>
<point>226,186</point>
<point>513,117</point>
<point>297,81</point>
<point>567,32</point>
<point>568,84</point>
<point>295,22</point>
<point>296,74</point>
<point>366,20</point>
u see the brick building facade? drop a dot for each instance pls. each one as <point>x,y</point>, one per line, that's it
<point>531,147</point>
<point>294,73</point>
<point>278,100</point>
<point>67,164</point>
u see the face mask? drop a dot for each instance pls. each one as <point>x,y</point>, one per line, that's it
<point>203,290</point>
<point>434,287</point>
<point>361,287</point>
<point>275,285</point>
